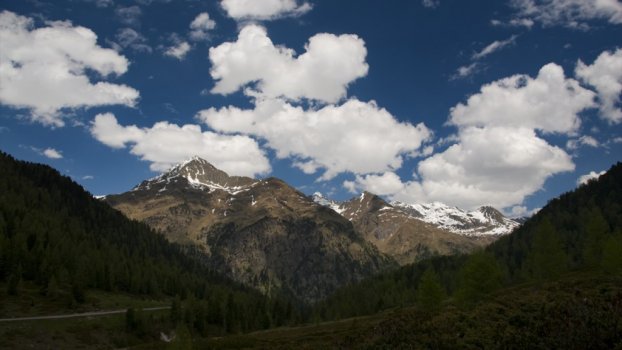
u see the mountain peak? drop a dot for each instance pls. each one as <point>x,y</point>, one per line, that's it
<point>197,172</point>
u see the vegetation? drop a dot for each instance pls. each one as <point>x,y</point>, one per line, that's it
<point>579,311</point>
<point>553,283</point>
<point>579,231</point>
<point>56,237</point>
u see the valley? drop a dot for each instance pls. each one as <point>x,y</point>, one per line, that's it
<point>255,255</point>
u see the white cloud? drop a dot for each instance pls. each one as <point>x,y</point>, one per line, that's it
<point>52,153</point>
<point>101,3</point>
<point>581,141</point>
<point>605,74</point>
<point>584,179</point>
<point>383,184</point>
<point>568,13</point>
<point>514,22</point>
<point>475,66</point>
<point>430,3</point>
<point>166,144</point>
<point>130,38</point>
<point>496,165</point>
<point>465,71</point>
<point>355,137</point>
<point>264,9</point>
<point>518,211</point>
<point>129,15</point>
<point>498,157</point>
<point>200,26</point>
<point>322,73</point>
<point>44,69</point>
<point>178,51</point>
<point>493,47</point>
<point>550,103</point>
<point>88,177</point>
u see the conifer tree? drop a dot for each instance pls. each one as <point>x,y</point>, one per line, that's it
<point>595,232</point>
<point>612,254</point>
<point>430,293</point>
<point>547,258</point>
<point>480,276</point>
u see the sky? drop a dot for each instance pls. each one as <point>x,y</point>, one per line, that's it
<point>503,103</point>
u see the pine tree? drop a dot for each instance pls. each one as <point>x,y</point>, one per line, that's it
<point>430,293</point>
<point>596,230</point>
<point>52,289</point>
<point>14,281</point>
<point>612,254</point>
<point>547,259</point>
<point>480,276</point>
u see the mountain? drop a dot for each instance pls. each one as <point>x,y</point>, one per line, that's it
<point>56,237</point>
<point>262,233</point>
<point>576,238</point>
<point>410,233</point>
<point>484,221</point>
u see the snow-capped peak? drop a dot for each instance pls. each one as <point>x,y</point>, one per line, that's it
<point>198,173</point>
<point>484,221</point>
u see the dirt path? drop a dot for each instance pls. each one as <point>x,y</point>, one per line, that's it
<point>85,314</point>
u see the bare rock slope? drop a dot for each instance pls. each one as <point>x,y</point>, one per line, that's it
<point>262,233</point>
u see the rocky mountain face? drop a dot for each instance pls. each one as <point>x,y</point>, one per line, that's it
<point>262,233</point>
<point>410,233</point>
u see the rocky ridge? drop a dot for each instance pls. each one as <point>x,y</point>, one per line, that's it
<point>410,233</point>
<point>262,233</point>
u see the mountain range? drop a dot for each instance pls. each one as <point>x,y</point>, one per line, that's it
<point>270,236</point>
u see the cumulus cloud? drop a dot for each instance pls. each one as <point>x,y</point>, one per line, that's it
<point>592,175</point>
<point>498,157</point>
<point>568,13</point>
<point>550,103</point>
<point>264,9</point>
<point>357,137</point>
<point>178,51</point>
<point>52,153</point>
<point>382,184</point>
<point>129,15</point>
<point>521,211</point>
<point>495,165</point>
<point>322,73</point>
<point>44,69</point>
<point>585,140</point>
<point>493,47</point>
<point>605,75</point>
<point>130,38</point>
<point>200,26</point>
<point>166,144</point>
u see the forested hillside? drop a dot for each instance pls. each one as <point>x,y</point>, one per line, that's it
<point>57,236</point>
<point>579,232</point>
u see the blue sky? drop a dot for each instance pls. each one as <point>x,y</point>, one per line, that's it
<point>471,103</point>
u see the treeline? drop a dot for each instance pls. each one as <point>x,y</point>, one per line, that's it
<point>579,231</point>
<point>55,234</point>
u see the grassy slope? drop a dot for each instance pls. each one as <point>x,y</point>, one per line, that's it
<point>580,311</point>
<point>102,332</point>
<point>29,302</point>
